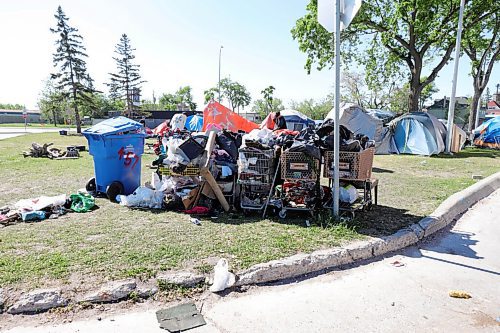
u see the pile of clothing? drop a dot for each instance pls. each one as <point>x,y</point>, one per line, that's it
<point>44,207</point>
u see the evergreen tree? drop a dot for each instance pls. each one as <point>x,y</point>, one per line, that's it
<point>72,78</point>
<point>127,80</point>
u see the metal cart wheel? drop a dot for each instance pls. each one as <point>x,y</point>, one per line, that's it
<point>282,214</point>
<point>113,190</point>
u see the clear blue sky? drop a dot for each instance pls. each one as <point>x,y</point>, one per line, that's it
<point>177,44</point>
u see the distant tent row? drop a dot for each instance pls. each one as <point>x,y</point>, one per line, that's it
<point>418,133</point>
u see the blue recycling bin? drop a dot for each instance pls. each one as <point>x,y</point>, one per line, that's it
<point>117,145</point>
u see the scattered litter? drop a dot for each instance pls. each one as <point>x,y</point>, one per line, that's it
<point>459,294</point>
<point>222,277</point>
<point>308,224</point>
<point>180,318</point>
<point>37,215</point>
<point>423,162</point>
<point>81,203</point>
<point>195,221</point>
<point>477,176</point>
<point>36,150</point>
<point>397,264</point>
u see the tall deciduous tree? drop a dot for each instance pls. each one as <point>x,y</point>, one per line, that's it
<point>267,93</point>
<point>51,103</point>
<point>72,78</point>
<point>232,92</point>
<point>316,110</point>
<point>481,43</point>
<point>413,34</point>
<point>127,81</point>
<point>182,98</point>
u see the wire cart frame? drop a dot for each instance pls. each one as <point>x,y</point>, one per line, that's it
<point>255,170</point>
<point>355,168</point>
<point>302,170</point>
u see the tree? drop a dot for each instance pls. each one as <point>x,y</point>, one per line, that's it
<point>126,83</point>
<point>210,94</point>
<point>7,106</point>
<point>413,34</point>
<point>262,107</point>
<point>427,93</point>
<point>51,103</point>
<point>181,99</point>
<point>232,92</point>
<point>481,43</point>
<point>313,109</point>
<point>268,95</point>
<point>72,78</point>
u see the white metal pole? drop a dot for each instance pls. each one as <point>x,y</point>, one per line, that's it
<point>220,53</point>
<point>451,110</point>
<point>336,144</point>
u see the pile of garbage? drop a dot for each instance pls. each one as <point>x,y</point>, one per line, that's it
<point>202,173</point>
<point>46,150</point>
<point>45,207</point>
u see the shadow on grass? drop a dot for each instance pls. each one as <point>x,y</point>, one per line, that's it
<point>380,170</point>
<point>472,152</point>
<point>383,220</point>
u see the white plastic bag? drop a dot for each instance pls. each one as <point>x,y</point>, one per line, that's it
<point>222,278</point>
<point>40,202</point>
<point>142,197</point>
<point>348,194</point>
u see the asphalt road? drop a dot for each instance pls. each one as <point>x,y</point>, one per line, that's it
<point>403,292</point>
<point>11,132</point>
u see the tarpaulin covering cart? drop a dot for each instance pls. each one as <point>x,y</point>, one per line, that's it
<point>116,145</point>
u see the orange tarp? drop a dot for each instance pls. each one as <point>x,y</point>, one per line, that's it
<point>218,114</point>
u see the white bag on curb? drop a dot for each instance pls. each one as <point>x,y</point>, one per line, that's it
<point>222,278</point>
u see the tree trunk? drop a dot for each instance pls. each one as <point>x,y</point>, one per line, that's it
<point>54,117</point>
<point>473,108</point>
<point>414,98</point>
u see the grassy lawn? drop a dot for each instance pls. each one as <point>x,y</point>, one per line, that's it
<point>115,242</point>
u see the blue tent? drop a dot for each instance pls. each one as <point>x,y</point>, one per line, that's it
<point>419,133</point>
<point>489,134</point>
<point>194,123</point>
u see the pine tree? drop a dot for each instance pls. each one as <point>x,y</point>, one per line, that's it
<point>127,81</point>
<point>72,79</point>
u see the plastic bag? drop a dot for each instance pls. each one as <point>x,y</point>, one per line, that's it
<point>142,197</point>
<point>41,202</point>
<point>348,194</point>
<point>81,202</point>
<point>222,278</point>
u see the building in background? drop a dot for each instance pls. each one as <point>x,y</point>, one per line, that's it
<point>16,116</point>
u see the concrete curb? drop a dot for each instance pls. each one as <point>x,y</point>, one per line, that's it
<point>301,264</point>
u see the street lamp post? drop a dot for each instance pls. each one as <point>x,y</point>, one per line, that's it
<point>220,52</point>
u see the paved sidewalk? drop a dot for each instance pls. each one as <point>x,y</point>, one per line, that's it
<point>407,291</point>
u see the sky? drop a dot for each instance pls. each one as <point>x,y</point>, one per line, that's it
<point>177,43</point>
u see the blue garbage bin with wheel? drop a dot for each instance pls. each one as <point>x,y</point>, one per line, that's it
<point>117,145</point>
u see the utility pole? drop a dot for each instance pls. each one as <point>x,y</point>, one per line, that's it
<point>220,52</point>
<point>451,110</point>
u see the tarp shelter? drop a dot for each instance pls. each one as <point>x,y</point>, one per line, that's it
<point>384,115</point>
<point>360,121</point>
<point>161,129</point>
<point>295,120</point>
<point>218,114</point>
<point>489,134</point>
<point>194,123</point>
<point>418,133</point>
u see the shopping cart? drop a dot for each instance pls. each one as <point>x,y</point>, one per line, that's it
<point>355,168</point>
<point>300,189</point>
<point>255,170</point>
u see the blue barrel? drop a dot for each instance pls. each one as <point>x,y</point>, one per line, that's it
<point>117,145</point>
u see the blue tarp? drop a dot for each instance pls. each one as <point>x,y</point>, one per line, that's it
<point>489,134</point>
<point>194,123</point>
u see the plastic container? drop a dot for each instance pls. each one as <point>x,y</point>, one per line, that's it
<point>117,145</point>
